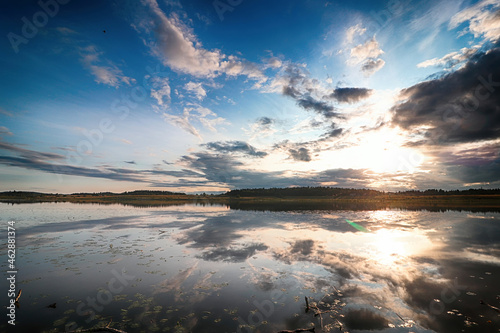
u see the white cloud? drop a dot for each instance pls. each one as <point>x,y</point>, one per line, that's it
<point>274,62</point>
<point>234,67</point>
<point>160,90</point>
<point>362,52</point>
<point>356,30</point>
<point>106,74</point>
<point>483,19</point>
<point>176,45</point>
<point>367,55</point>
<point>449,60</point>
<point>206,117</point>
<point>128,142</point>
<point>196,89</point>
<point>182,122</point>
<point>65,31</point>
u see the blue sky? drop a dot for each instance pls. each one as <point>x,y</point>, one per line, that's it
<point>207,96</point>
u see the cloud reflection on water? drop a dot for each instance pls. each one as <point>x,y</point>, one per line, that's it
<point>428,268</point>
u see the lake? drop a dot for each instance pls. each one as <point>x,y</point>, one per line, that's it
<point>210,268</point>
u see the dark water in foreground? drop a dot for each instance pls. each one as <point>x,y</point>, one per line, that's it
<point>213,269</point>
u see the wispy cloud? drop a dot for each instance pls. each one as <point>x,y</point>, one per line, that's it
<point>451,59</point>
<point>5,131</point>
<point>5,112</point>
<point>160,90</point>
<point>483,19</point>
<point>183,122</point>
<point>235,147</point>
<point>353,32</point>
<point>30,154</point>
<point>262,127</point>
<point>196,89</point>
<point>125,141</point>
<point>195,113</point>
<point>108,73</point>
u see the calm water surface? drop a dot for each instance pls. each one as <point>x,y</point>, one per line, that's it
<point>212,269</point>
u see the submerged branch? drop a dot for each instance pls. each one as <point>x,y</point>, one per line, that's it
<point>312,329</point>
<point>98,329</point>
<point>490,306</point>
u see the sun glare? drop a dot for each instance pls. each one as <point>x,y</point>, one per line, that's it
<point>388,245</point>
<point>384,152</point>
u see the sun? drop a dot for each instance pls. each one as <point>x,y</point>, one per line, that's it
<point>384,152</point>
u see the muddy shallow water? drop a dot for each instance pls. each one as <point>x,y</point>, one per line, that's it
<point>215,269</point>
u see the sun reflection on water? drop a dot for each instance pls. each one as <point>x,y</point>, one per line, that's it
<point>390,246</point>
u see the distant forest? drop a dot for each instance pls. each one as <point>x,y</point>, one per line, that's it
<point>97,194</point>
<point>332,192</point>
<point>348,192</point>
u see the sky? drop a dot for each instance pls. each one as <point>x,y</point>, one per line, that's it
<point>209,96</point>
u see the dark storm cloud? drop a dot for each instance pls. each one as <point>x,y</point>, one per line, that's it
<point>301,154</point>
<point>462,106</point>
<point>291,92</point>
<point>323,108</point>
<point>350,95</point>
<point>371,66</point>
<point>225,169</point>
<point>469,174</point>
<point>265,121</point>
<point>473,156</point>
<point>333,131</point>
<point>306,91</point>
<point>235,147</point>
